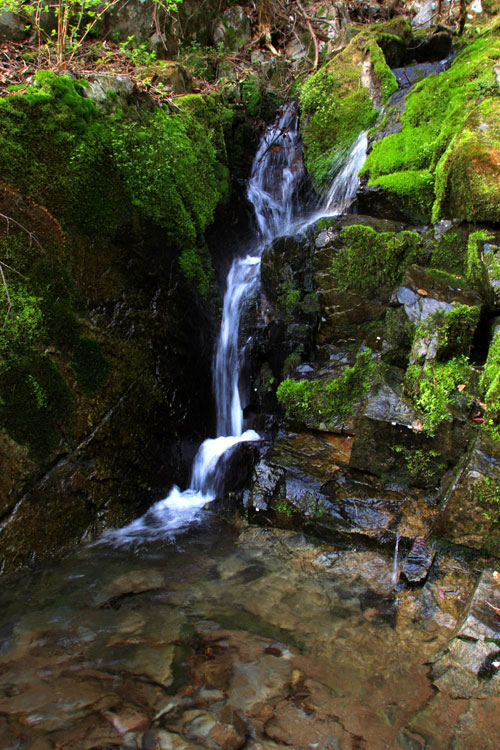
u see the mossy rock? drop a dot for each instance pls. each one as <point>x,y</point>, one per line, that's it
<point>443,161</point>
<point>341,100</point>
<point>468,173</point>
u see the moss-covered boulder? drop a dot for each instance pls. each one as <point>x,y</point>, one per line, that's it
<point>442,162</point>
<point>102,375</point>
<point>341,100</point>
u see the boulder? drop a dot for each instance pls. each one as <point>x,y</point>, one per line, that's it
<point>233,29</point>
<point>103,84</point>
<point>12,27</point>
<point>470,508</point>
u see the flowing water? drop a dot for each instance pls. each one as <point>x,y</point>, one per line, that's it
<point>275,178</point>
<point>258,640</point>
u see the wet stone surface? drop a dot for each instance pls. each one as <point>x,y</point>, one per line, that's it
<point>261,641</point>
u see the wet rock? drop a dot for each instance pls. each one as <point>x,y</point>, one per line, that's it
<point>418,562</point>
<point>373,201</point>
<point>128,719</point>
<point>203,728</point>
<point>160,739</point>
<point>49,710</point>
<point>291,725</point>
<point>467,514</point>
<point>257,684</point>
<point>129,584</point>
<point>264,486</point>
<point>342,312</point>
<point>482,619</point>
<point>423,295</point>
<point>469,666</point>
<point>433,47</point>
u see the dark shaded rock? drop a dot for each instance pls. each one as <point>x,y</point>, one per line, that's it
<point>373,201</point>
<point>432,48</point>
<point>469,511</point>
<point>12,27</point>
<point>418,562</point>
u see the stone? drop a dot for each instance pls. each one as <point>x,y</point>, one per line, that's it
<point>482,618</point>
<point>233,29</point>
<point>203,728</point>
<point>259,684</point>
<point>160,739</point>
<point>102,84</point>
<point>128,719</point>
<point>418,561</point>
<point>467,512</point>
<point>12,27</point>
<point>170,76</point>
<point>129,584</point>
<point>438,295</point>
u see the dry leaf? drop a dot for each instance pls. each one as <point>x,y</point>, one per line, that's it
<point>422,292</point>
<point>461,387</point>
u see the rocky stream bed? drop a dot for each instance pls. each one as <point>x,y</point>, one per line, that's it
<point>257,639</point>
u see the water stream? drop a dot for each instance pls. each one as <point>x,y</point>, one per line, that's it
<point>255,640</point>
<point>276,175</point>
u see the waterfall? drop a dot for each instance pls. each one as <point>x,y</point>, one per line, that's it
<point>395,564</point>
<point>276,175</point>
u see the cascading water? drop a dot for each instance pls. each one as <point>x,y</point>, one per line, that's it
<point>276,175</point>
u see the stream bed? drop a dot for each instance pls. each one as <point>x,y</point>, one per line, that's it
<point>230,638</point>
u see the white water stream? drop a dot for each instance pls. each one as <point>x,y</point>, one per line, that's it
<point>276,175</point>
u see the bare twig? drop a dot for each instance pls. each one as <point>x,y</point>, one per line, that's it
<point>9,308</point>
<point>31,235</point>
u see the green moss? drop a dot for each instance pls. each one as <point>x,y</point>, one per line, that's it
<point>35,402</point>
<point>490,388</point>
<point>196,267</point>
<point>327,400</point>
<point>336,106</point>
<point>251,95</point>
<point>475,269</point>
<point>370,259</point>
<point>413,189</point>
<point>87,165</point>
<point>434,391</point>
<point>450,135</point>
<point>449,253</point>
<point>425,467</point>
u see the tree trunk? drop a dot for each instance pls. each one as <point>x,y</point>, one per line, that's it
<point>462,17</point>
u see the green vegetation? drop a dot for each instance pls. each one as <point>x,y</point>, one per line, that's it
<point>91,367</point>
<point>434,389</point>
<point>336,106</point>
<point>424,467</point>
<point>449,253</point>
<point>87,166</point>
<point>490,388</point>
<point>445,156</point>
<point>475,270</point>
<point>328,400</point>
<point>40,335</point>
<point>76,20</point>
<point>368,259</point>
